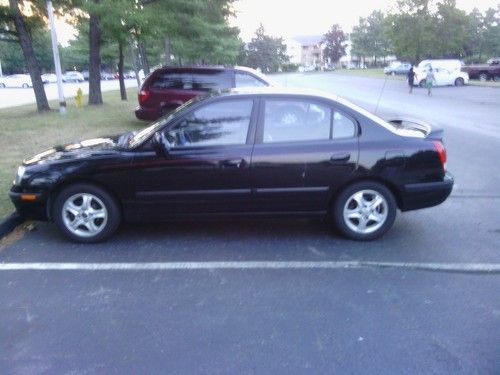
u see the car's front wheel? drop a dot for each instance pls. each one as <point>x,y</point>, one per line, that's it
<point>422,83</point>
<point>459,82</point>
<point>364,211</point>
<point>86,213</point>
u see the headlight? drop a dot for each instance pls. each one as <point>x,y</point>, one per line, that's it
<point>19,175</point>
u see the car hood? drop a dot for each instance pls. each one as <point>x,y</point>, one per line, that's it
<point>80,150</point>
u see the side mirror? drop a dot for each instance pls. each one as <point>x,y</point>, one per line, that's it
<point>161,144</point>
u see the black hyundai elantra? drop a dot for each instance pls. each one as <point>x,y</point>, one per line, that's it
<point>248,152</point>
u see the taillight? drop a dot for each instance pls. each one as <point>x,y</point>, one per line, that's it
<point>143,96</point>
<point>441,152</point>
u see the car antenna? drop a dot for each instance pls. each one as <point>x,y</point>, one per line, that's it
<point>380,95</point>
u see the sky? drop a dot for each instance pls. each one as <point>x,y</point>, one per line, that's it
<point>288,18</point>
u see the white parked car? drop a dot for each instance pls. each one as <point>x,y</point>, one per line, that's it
<point>16,80</point>
<point>446,73</point>
<point>49,78</point>
<point>73,76</point>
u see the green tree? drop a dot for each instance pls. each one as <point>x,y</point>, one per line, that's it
<point>411,30</point>
<point>491,32</point>
<point>334,41</point>
<point>17,26</point>
<point>266,52</point>
<point>450,25</point>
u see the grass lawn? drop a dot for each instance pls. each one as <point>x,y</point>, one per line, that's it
<point>24,132</point>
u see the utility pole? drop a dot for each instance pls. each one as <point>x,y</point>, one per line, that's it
<point>57,61</point>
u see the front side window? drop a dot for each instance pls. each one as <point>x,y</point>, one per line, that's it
<point>222,123</point>
<point>295,120</point>
<point>246,80</point>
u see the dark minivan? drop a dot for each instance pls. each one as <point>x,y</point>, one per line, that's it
<point>167,88</point>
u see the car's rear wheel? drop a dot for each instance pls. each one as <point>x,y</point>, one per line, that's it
<point>483,77</point>
<point>166,110</point>
<point>459,82</point>
<point>86,213</point>
<point>25,86</point>
<point>422,83</point>
<point>364,211</point>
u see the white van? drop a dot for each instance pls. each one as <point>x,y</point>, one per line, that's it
<point>446,72</point>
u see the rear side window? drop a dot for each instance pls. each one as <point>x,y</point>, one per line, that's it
<point>198,81</point>
<point>295,120</point>
<point>343,126</point>
<point>243,79</point>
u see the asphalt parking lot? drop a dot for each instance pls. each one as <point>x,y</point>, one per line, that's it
<point>274,296</point>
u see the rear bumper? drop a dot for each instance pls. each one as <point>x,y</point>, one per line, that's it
<point>426,194</point>
<point>35,208</point>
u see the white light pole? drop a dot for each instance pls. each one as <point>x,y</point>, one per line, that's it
<point>57,61</point>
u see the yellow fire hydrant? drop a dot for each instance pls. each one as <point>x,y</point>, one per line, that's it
<point>79,97</point>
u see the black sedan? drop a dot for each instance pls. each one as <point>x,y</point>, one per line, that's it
<point>245,152</point>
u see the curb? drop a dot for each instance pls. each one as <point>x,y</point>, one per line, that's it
<point>8,223</point>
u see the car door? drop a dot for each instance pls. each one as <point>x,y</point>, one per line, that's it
<point>207,169</point>
<point>295,162</point>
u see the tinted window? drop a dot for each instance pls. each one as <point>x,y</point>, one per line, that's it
<point>223,123</point>
<point>295,120</point>
<point>203,81</point>
<point>343,126</point>
<point>246,80</point>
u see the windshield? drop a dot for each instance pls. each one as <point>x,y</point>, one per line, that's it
<point>139,137</point>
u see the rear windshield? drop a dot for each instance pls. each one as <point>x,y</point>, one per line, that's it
<point>208,80</point>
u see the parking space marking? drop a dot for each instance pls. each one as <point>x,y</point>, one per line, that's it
<point>278,265</point>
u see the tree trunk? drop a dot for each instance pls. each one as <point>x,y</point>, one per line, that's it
<point>29,55</point>
<point>95,95</point>
<point>144,58</point>
<point>168,51</point>
<point>134,63</point>
<point>123,91</point>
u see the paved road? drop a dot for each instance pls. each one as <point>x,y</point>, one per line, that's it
<point>297,318</point>
<point>11,97</point>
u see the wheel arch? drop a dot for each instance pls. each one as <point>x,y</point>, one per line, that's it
<point>72,181</point>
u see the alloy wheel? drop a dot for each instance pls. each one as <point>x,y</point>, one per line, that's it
<point>365,211</point>
<point>84,215</point>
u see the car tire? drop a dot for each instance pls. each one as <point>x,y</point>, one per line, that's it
<point>422,83</point>
<point>364,211</point>
<point>2,85</point>
<point>459,82</point>
<point>25,86</point>
<point>483,77</point>
<point>86,213</point>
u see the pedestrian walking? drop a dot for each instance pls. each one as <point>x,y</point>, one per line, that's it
<point>411,78</point>
<point>429,80</point>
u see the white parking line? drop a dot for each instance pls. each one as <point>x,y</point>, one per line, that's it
<point>164,266</point>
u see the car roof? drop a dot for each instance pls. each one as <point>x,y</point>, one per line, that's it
<point>278,90</point>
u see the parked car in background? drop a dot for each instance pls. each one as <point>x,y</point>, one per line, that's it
<point>73,76</point>
<point>49,78</point>
<point>16,80</point>
<point>105,76</point>
<point>484,72</point>
<point>397,68</point>
<point>129,74</point>
<point>446,73</point>
<point>167,88</point>
<point>249,151</point>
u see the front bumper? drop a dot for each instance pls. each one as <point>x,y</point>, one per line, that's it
<point>31,205</point>
<point>426,194</point>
